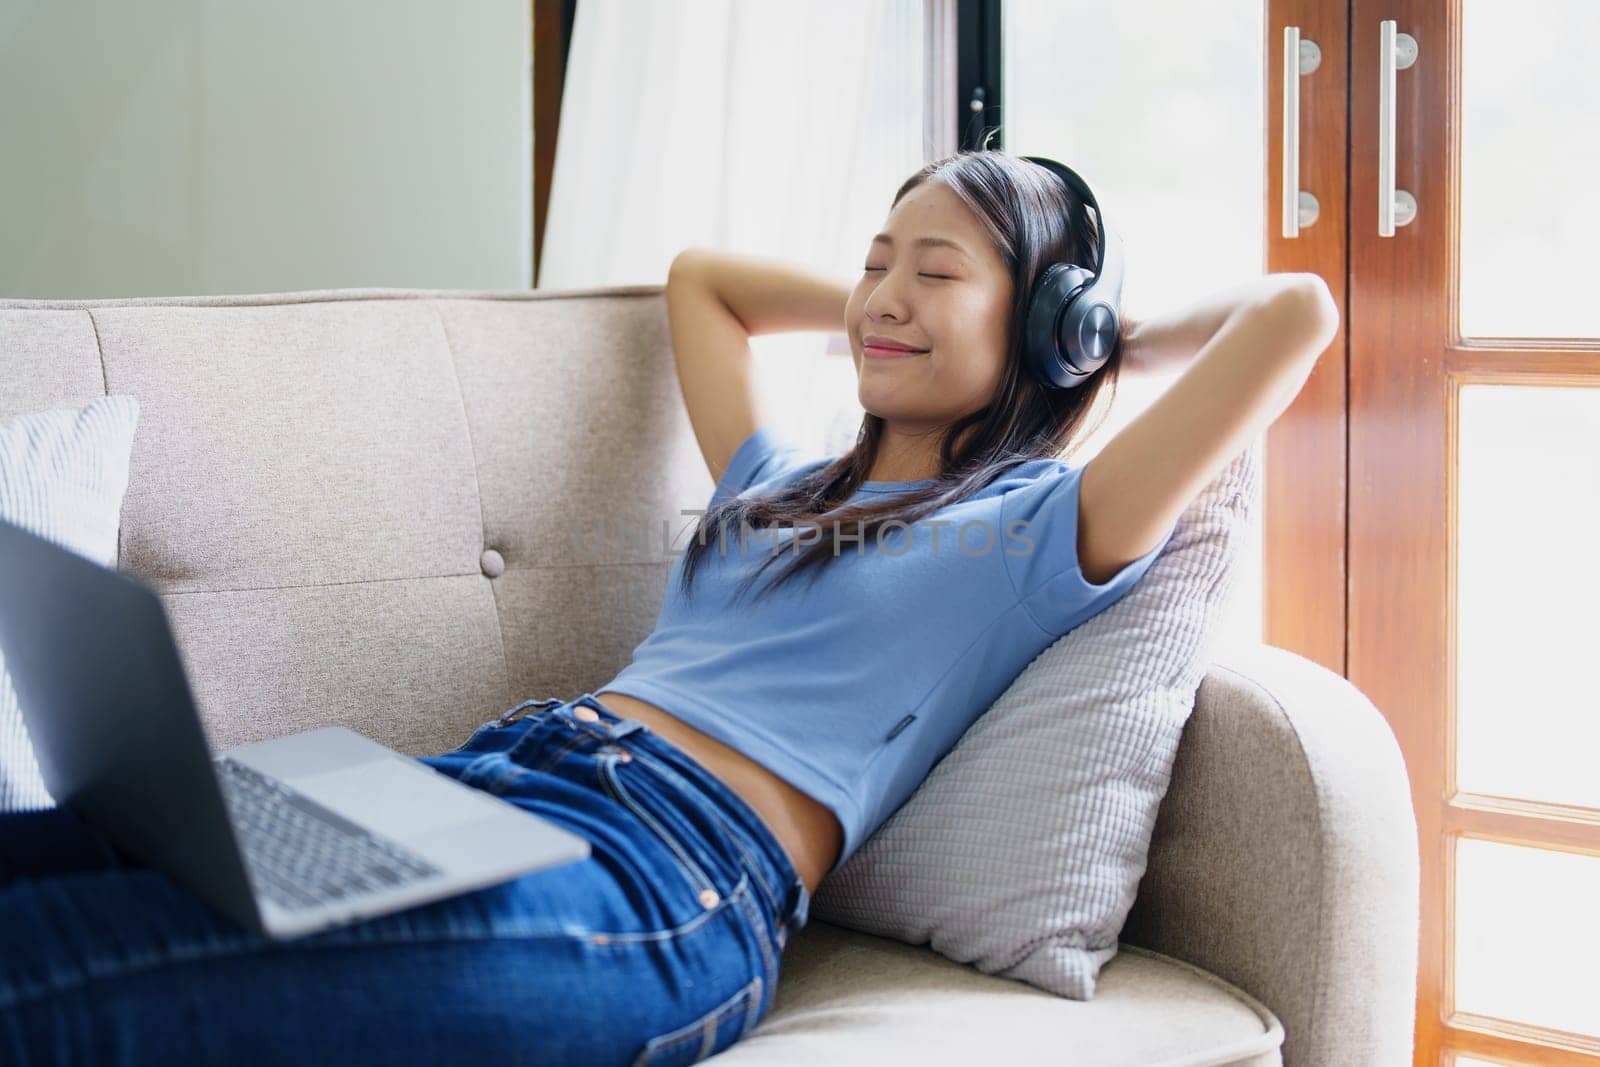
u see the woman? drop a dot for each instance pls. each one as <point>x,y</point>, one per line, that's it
<point>753,743</point>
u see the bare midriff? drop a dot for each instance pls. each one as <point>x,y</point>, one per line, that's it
<point>808,831</point>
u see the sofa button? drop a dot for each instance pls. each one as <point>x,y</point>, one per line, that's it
<point>493,564</point>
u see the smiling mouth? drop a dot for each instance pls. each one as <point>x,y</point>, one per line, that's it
<point>890,353</point>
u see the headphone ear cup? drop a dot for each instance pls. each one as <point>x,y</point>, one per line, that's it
<point>1048,347</point>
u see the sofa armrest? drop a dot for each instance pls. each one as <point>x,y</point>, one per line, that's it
<point>1284,858</point>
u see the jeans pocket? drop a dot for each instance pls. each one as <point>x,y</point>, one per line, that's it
<point>713,1032</point>
<point>611,781</point>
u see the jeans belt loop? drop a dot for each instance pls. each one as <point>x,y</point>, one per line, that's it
<point>521,709</point>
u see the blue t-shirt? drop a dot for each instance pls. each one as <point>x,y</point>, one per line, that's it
<point>852,685</point>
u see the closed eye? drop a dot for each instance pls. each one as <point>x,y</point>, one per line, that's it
<point>944,277</point>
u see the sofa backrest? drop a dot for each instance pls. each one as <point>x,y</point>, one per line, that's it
<point>400,511</point>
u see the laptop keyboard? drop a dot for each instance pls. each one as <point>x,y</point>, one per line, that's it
<point>302,855</point>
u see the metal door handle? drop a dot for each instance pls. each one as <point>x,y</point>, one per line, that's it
<point>1300,208</point>
<point>1396,51</point>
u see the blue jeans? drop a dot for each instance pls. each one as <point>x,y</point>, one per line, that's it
<point>662,947</point>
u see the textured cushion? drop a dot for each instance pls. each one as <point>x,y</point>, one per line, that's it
<point>1022,850</point>
<point>63,473</point>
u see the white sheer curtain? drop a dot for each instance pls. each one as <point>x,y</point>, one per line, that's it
<point>756,126</point>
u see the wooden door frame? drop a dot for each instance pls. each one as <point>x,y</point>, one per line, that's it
<point>1305,480</point>
<point>1408,363</point>
<point>1397,518</point>
<point>551,25</point>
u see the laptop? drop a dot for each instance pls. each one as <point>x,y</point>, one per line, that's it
<point>288,836</point>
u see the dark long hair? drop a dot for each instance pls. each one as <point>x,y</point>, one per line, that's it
<point>1034,221</point>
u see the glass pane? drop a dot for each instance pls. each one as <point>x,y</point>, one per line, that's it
<point>1527,935</point>
<point>1528,578</point>
<point>1151,148</point>
<point>1529,150</point>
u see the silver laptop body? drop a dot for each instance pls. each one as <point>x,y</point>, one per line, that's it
<point>286,836</point>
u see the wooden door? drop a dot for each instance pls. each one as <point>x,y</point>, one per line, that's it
<point>1474,460</point>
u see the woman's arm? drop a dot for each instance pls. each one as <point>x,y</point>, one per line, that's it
<point>1241,380</point>
<point>1169,341</point>
<point>769,295</point>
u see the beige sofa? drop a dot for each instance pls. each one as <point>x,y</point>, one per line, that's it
<point>361,507</point>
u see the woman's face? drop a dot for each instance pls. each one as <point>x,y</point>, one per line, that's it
<point>952,302</point>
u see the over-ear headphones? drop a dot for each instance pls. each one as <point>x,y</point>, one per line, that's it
<point>1071,325</point>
